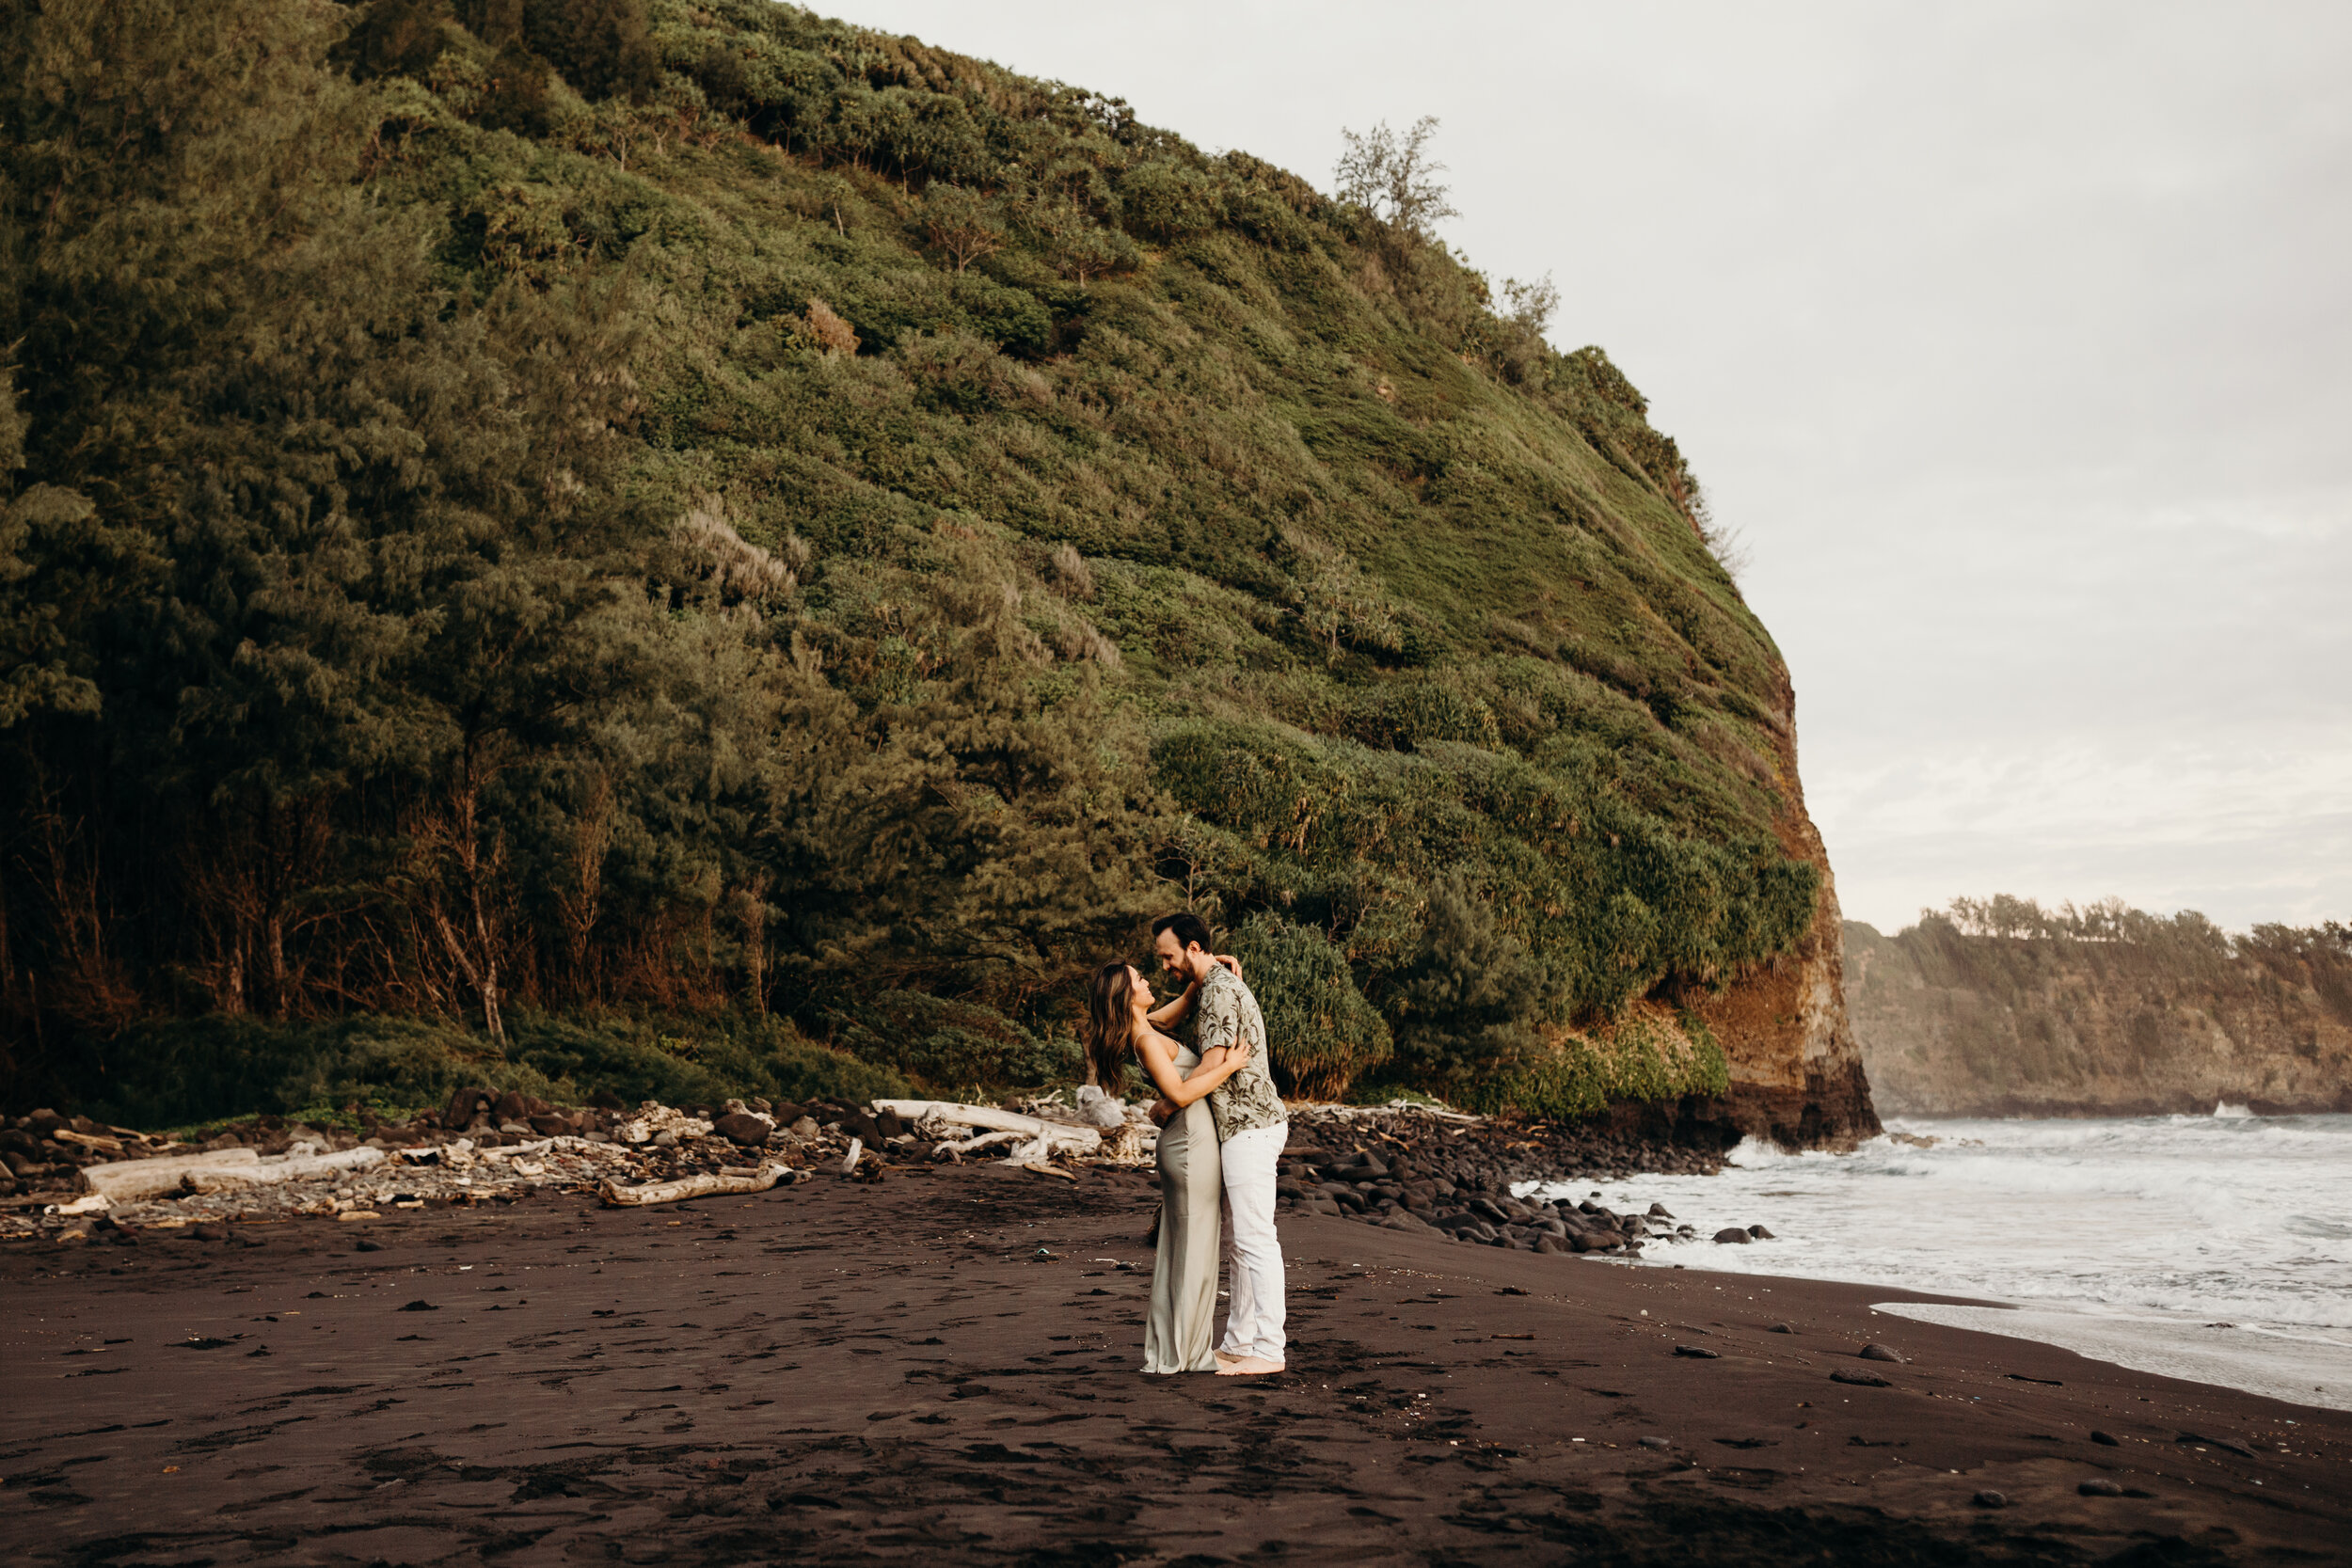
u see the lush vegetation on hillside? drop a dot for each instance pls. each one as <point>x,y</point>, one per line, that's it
<point>703,521</point>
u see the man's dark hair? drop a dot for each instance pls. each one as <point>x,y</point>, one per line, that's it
<point>1191,930</point>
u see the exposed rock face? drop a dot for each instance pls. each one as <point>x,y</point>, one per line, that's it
<point>1796,1068</point>
<point>2175,1020</point>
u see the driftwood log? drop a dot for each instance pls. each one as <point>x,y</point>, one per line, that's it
<point>133,1179</point>
<point>292,1167</point>
<point>220,1171</point>
<point>1058,1134</point>
<point>704,1185</point>
<point>980,1140</point>
<point>97,1142</point>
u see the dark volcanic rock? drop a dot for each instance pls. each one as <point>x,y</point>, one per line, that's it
<point>1733,1233</point>
<point>1760,1233</point>
<point>1878,1352</point>
<point>2101,1489</point>
<point>463,1106</point>
<point>744,1130</point>
<point>1698,1353</point>
<point>1860,1380</point>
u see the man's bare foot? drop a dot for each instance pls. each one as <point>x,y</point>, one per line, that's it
<point>1249,1366</point>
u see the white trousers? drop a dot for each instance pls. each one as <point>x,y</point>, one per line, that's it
<point>1253,1256</point>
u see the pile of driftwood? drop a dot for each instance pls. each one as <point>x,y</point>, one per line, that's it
<point>70,1175</point>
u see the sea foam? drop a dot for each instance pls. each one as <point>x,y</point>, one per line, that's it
<point>2216,1248</point>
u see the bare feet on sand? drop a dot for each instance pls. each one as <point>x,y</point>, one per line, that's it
<point>1248,1366</point>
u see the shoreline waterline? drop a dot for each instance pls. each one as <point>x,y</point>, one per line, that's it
<point>2217,1249</point>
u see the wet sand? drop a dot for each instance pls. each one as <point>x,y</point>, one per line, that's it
<point>943,1366</point>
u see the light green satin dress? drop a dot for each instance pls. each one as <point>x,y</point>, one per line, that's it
<point>1179,1333</point>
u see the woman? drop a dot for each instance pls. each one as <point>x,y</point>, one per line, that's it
<point>1177,1337</point>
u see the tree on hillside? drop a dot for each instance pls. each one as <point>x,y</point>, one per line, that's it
<point>395,37</point>
<point>1393,178</point>
<point>604,48</point>
<point>963,223</point>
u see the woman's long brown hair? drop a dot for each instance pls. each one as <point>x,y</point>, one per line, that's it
<point>1110,1026</point>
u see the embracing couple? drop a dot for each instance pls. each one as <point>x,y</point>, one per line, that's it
<point>1222,1129</point>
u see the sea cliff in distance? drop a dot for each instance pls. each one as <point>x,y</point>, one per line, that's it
<point>2000,1008</point>
<point>686,550</point>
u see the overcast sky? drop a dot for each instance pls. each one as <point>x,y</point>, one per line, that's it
<point>2015,340</point>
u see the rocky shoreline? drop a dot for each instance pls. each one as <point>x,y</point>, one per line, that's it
<point>1460,1177</point>
<point>1402,1167</point>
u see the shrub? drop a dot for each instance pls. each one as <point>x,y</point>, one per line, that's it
<point>1320,1033</point>
<point>1646,1055</point>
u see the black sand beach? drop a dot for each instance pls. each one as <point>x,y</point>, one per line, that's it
<point>942,1366</point>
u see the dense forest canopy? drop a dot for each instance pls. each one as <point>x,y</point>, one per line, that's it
<point>536,524</point>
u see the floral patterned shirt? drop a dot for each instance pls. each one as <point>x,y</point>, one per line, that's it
<point>1225,1014</point>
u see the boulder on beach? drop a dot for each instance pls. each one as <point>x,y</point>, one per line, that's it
<point>743,1129</point>
<point>1733,1233</point>
<point>463,1106</point>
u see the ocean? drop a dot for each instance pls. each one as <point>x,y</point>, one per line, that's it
<point>2216,1249</point>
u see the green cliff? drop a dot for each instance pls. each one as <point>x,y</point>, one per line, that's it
<point>698,534</point>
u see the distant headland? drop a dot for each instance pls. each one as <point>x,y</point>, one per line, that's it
<point>2002,1007</point>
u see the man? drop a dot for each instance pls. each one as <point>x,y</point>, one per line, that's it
<point>1252,1126</point>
